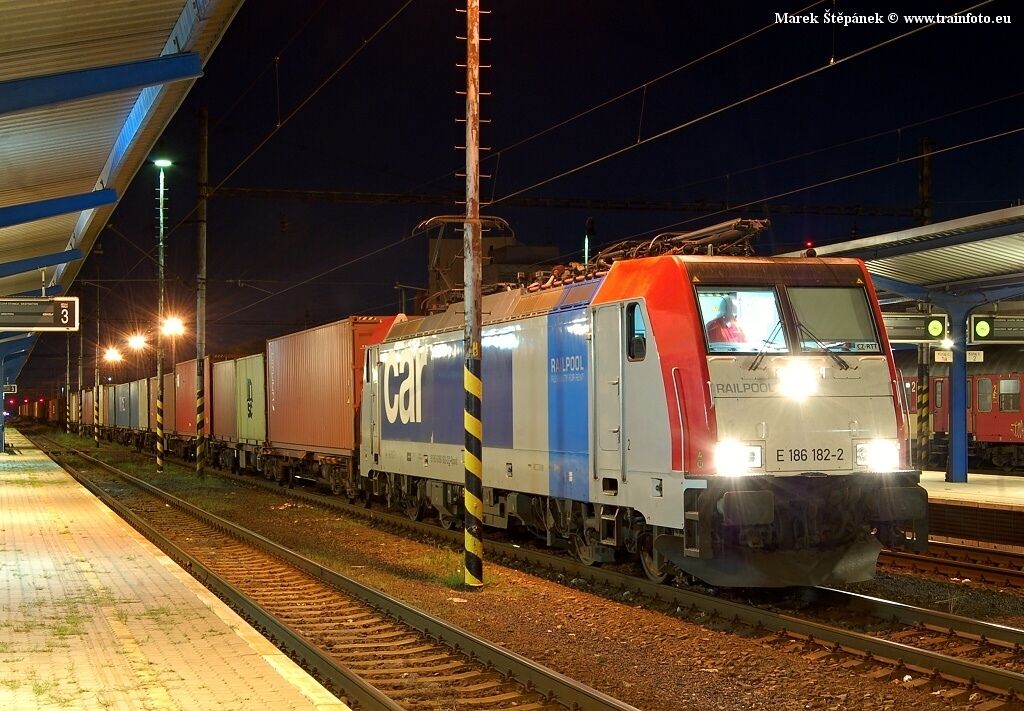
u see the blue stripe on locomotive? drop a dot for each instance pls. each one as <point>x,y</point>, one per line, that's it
<point>424,397</point>
<point>568,428</point>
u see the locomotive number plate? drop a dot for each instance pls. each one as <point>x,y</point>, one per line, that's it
<point>810,454</point>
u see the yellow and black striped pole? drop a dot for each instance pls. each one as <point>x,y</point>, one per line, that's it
<point>67,387</point>
<point>472,383</point>
<point>161,164</point>
<point>200,419</point>
<point>922,407</point>
<point>473,462</point>
<point>160,424</point>
<point>81,373</point>
<point>201,296</point>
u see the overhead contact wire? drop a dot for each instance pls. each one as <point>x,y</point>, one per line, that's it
<point>728,107</point>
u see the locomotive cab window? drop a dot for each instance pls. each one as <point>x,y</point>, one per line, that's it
<point>1009,395</point>
<point>636,333</point>
<point>741,320</point>
<point>834,319</point>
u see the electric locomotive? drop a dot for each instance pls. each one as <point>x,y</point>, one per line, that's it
<point>734,418</point>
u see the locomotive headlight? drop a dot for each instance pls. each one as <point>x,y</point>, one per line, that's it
<point>878,455</point>
<point>734,458</point>
<point>797,379</point>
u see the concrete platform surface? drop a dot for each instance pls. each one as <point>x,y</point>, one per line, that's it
<point>992,491</point>
<point>93,616</point>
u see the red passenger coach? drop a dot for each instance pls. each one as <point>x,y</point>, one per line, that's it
<point>995,418</point>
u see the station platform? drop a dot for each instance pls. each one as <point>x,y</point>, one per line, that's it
<point>987,510</point>
<point>93,616</point>
<point>986,490</point>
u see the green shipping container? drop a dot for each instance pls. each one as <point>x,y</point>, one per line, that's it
<point>250,399</point>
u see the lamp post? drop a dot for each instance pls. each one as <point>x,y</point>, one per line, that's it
<point>160,163</point>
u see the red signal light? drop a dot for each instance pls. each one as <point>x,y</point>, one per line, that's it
<point>809,244</point>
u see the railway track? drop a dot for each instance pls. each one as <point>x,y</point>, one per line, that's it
<point>995,567</point>
<point>373,649</point>
<point>921,648</point>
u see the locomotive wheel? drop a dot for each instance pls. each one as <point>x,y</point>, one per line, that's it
<point>414,510</point>
<point>655,573</point>
<point>450,523</point>
<point>581,550</point>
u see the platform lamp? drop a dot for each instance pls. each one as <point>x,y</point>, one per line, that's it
<point>137,344</point>
<point>161,164</point>
<point>173,327</point>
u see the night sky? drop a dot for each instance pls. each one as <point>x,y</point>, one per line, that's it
<point>386,122</point>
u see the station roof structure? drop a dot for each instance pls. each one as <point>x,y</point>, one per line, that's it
<point>981,253</point>
<point>86,89</point>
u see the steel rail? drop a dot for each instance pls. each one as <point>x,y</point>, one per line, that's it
<point>952,566</point>
<point>534,676</point>
<point>956,671</point>
<point>999,635</point>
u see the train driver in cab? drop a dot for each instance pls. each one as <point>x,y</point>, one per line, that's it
<point>725,328</point>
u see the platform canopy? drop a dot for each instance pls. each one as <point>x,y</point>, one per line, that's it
<point>983,252</point>
<point>957,266</point>
<point>86,89</point>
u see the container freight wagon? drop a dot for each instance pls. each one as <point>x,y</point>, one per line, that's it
<point>183,424</point>
<point>122,407</point>
<point>239,427</point>
<point>169,405</point>
<point>130,420</point>
<point>152,405</point>
<point>55,413</point>
<point>107,409</point>
<point>314,381</point>
<point>88,408</point>
<point>138,399</point>
<point>76,398</point>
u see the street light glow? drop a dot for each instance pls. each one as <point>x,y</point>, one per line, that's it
<point>173,326</point>
<point>112,355</point>
<point>136,341</point>
<point>162,163</point>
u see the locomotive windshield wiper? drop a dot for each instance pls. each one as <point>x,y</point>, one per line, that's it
<point>754,364</point>
<point>840,361</point>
